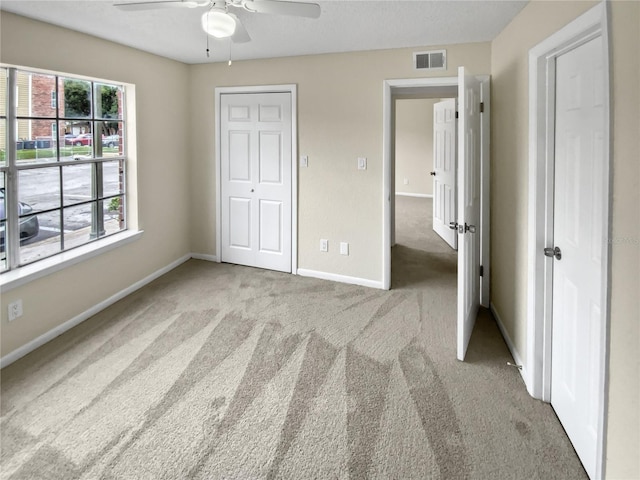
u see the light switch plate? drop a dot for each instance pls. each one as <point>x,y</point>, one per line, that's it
<point>344,248</point>
<point>362,163</point>
<point>304,161</point>
<point>324,245</point>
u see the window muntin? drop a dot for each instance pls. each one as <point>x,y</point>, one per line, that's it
<point>64,174</point>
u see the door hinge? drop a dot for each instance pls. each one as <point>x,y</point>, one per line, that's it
<point>481,271</point>
<point>481,107</point>
<point>456,114</point>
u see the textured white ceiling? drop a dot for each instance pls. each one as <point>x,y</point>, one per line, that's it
<point>344,25</point>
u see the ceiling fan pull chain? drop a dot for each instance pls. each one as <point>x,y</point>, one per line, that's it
<point>230,52</point>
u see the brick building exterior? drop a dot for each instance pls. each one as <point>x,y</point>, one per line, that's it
<point>37,97</point>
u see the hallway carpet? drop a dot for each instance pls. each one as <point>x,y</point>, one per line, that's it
<point>221,371</point>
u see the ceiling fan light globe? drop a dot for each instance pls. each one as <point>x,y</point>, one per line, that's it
<point>218,24</point>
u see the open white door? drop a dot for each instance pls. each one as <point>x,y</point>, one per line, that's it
<point>468,207</point>
<point>444,170</point>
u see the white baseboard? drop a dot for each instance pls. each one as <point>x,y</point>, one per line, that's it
<point>419,195</point>
<point>340,278</point>
<point>517,358</point>
<point>60,329</point>
<point>205,256</point>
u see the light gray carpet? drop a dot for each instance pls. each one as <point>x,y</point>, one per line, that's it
<point>221,371</point>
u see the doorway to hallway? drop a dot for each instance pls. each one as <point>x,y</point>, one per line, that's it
<point>419,254</point>
<point>420,258</point>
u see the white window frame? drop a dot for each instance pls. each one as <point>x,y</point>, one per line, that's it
<point>18,275</point>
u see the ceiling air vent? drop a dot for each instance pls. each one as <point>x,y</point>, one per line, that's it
<point>433,60</point>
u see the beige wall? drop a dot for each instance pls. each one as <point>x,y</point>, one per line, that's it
<point>509,180</point>
<point>339,119</point>
<point>414,145</point>
<point>162,172</point>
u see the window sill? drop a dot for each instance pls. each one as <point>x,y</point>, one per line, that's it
<point>28,273</point>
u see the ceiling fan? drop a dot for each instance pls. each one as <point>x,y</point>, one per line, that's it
<point>219,22</point>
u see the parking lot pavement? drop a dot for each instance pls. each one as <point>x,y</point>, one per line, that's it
<point>40,189</point>
<point>50,245</point>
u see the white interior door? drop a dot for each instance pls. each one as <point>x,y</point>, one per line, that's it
<point>444,171</point>
<point>468,207</point>
<point>578,233</point>
<point>255,143</point>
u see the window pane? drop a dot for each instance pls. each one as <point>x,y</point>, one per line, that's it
<point>78,225</point>
<point>113,178</point>
<point>46,243</point>
<point>3,91</point>
<point>77,98</point>
<point>40,188</point>
<point>3,251</point>
<point>67,132</point>
<point>3,214</point>
<point>29,224</point>
<point>77,184</point>
<point>108,101</point>
<point>3,142</point>
<point>36,94</point>
<point>112,140</point>
<point>3,112</point>
<point>36,141</point>
<point>114,215</point>
<point>78,140</point>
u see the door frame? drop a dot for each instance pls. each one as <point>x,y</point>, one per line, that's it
<point>542,57</point>
<point>286,88</point>
<point>395,86</point>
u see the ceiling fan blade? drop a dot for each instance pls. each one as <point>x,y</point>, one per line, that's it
<point>240,35</point>
<point>134,6</point>
<point>298,9</point>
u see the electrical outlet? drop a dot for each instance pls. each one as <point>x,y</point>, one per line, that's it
<point>406,181</point>
<point>344,248</point>
<point>15,310</point>
<point>324,245</point>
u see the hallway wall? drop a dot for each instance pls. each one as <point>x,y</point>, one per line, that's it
<point>414,145</point>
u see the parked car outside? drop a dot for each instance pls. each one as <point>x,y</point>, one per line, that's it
<point>29,226</point>
<point>80,140</point>
<point>110,141</point>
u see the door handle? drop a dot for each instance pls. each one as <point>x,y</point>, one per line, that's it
<point>455,226</point>
<point>432,173</point>
<point>553,252</point>
<point>462,228</point>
